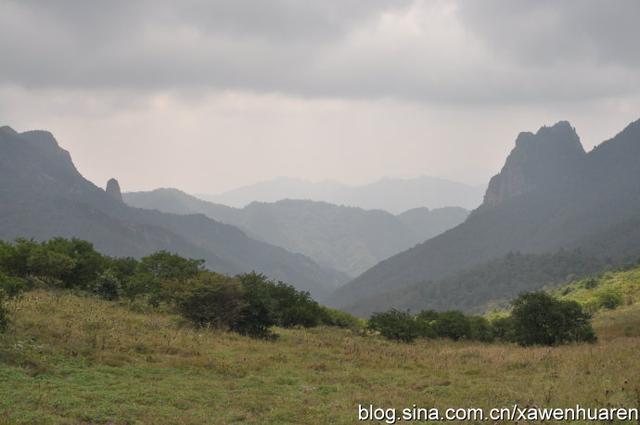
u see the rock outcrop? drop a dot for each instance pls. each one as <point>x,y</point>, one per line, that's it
<point>548,157</point>
<point>113,189</point>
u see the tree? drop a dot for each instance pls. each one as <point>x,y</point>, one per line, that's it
<point>108,286</point>
<point>540,319</point>
<point>259,312</point>
<point>396,325</point>
<point>164,265</point>
<point>452,324</point>
<point>212,300</point>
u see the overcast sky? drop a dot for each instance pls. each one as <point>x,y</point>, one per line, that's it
<point>210,95</point>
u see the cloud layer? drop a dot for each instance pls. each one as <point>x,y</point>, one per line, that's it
<point>494,51</point>
<point>210,95</point>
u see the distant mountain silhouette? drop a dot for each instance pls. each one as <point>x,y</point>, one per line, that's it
<point>392,195</point>
<point>42,195</point>
<point>344,238</point>
<point>550,195</point>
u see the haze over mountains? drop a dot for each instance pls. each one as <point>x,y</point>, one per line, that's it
<point>393,195</point>
<point>550,196</point>
<point>347,239</point>
<point>42,196</point>
<point>553,212</point>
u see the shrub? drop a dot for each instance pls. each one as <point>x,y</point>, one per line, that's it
<point>108,286</point>
<point>259,312</point>
<point>502,328</point>
<point>426,320</point>
<point>452,324</point>
<point>340,319</point>
<point>293,307</point>
<point>164,265</point>
<point>540,319</point>
<point>12,286</point>
<point>395,325</point>
<point>480,329</point>
<point>609,299</point>
<point>4,313</point>
<point>591,283</point>
<point>212,300</point>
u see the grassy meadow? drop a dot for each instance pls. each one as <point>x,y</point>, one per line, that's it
<point>70,359</point>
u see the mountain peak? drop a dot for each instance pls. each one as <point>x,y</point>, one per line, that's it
<point>540,159</point>
<point>113,189</point>
<point>7,130</point>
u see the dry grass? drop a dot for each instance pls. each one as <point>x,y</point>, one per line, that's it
<point>75,360</point>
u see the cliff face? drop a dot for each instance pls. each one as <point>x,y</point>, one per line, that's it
<point>547,158</point>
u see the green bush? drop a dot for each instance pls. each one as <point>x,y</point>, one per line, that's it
<point>480,329</point>
<point>395,325</point>
<point>260,310</point>
<point>108,286</point>
<point>452,324</point>
<point>609,299</point>
<point>540,319</point>
<point>164,265</point>
<point>340,319</point>
<point>502,328</point>
<point>293,307</point>
<point>4,313</point>
<point>212,300</point>
<point>426,320</point>
<point>12,286</point>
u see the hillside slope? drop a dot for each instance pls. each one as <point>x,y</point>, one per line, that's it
<point>42,195</point>
<point>72,359</point>
<point>344,238</point>
<point>549,195</point>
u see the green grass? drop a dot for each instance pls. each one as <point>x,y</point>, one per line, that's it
<point>76,360</point>
<point>590,292</point>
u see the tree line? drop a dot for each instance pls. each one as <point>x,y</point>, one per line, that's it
<point>250,304</point>
<point>536,318</point>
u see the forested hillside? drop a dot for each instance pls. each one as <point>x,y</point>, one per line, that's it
<point>550,195</point>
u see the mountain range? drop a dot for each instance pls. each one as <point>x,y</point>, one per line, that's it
<point>550,197</point>
<point>389,194</point>
<point>42,195</point>
<point>347,239</point>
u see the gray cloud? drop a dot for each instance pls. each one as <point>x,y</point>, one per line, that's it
<point>547,32</point>
<point>496,51</point>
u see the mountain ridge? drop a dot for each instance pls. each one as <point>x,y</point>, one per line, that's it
<point>596,196</point>
<point>349,239</point>
<point>43,195</point>
<point>390,194</point>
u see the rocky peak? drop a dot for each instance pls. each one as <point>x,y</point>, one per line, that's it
<point>113,189</point>
<point>544,158</point>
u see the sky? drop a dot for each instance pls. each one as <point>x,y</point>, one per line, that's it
<point>211,95</point>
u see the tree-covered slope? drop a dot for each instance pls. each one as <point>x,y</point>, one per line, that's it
<point>549,195</point>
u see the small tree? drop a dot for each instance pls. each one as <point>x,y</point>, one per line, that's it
<point>480,329</point>
<point>396,325</point>
<point>108,286</point>
<point>4,313</point>
<point>259,312</point>
<point>502,328</point>
<point>164,265</point>
<point>212,300</point>
<point>538,318</point>
<point>452,324</point>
